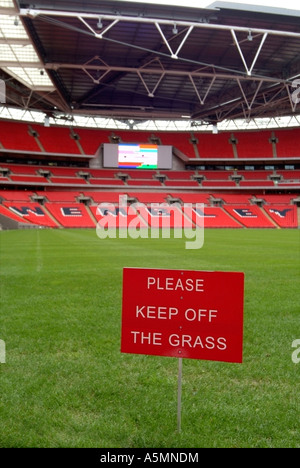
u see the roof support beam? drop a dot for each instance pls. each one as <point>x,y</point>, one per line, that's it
<point>174,55</point>
<point>156,71</point>
<point>248,70</point>
<point>33,13</point>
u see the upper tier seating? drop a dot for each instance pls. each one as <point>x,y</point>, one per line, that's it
<point>103,196</point>
<point>216,175</point>
<point>149,197</point>
<point>56,139</point>
<point>16,136</point>
<point>140,174</point>
<point>187,197</point>
<point>16,195</point>
<point>254,144</point>
<point>213,146</point>
<point>179,140</point>
<point>181,183</point>
<point>256,183</point>
<point>60,196</point>
<point>289,175</point>
<point>21,169</point>
<point>288,143</point>
<point>218,183</point>
<point>276,199</point>
<point>233,199</point>
<point>281,143</point>
<point>255,175</point>
<point>72,181</point>
<point>178,175</point>
<point>91,139</point>
<point>36,180</point>
<point>63,171</point>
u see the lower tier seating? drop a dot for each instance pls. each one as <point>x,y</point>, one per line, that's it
<point>150,209</point>
<point>29,211</point>
<point>249,216</point>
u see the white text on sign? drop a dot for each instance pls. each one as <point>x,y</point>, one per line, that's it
<point>173,284</point>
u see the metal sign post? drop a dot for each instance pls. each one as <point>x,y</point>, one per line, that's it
<point>179,395</point>
<point>183,314</point>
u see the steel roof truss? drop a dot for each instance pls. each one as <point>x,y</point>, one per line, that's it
<point>248,70</point>
<point>202,100</point>
<point>174,55</point>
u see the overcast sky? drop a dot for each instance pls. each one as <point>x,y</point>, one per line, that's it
<point>290,4</point>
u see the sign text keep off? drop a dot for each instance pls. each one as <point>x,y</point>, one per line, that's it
<point>183,313</point>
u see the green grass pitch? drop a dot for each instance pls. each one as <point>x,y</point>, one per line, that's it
<point>66,384</point>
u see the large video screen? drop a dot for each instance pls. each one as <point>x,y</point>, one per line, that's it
<point>135,156</point>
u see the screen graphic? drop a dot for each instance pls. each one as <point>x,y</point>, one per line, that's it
<point>135,156</point>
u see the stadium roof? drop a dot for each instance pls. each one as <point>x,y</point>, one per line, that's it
<point>137,62</point>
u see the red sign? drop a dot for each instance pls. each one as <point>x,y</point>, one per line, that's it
<point>183,313</point>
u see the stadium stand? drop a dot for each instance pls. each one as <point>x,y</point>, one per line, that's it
<point>212,146</point>
<point>256,183</point>
<point>102,173</point>
<point>181,183</point>
<point>141,174</point>
<point>35,180</point>
<point>187,197</point>
<point>5,211</point>
<point>103,196</point>
<point>276,199</point>
<point>118,182</point>
<point>164,216</point>
<point>287,145</point>
<point>148,183</point>
<point>16,136</point>
<point>182,141</point>
<point>283,215</point>
<point>91,139</point>
<point>216,175</point>
<point>218,183</point>
<point>47,191</point>
<point>31,212</point>
<point>233,199</point>
<point>214,217</point>
<point>72,181</point>
<point>62,196</point>
<point>254,144</point>
<point>178,175</point>
<point>55,140</point>
<point>72,215</point>
<point>149,197</point>
<point>15,195</point>
<point>250,216</point>
<point>21,169</point>
<point>289,175</point>
<point>255,175</point>
<point>123,217</point>
<point>63,171</point>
